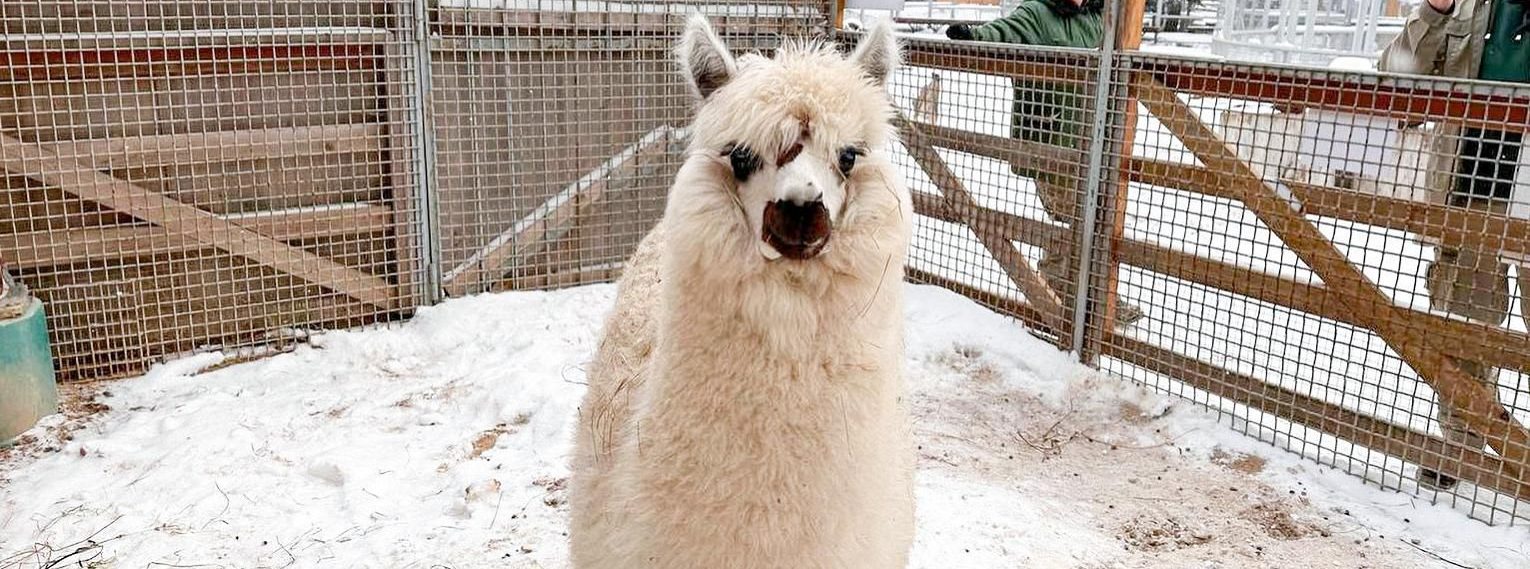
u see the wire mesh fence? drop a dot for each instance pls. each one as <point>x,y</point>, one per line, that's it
<point>1326,259</point>
<point>558,126</point>
<point>1330,260</point>
<point>185,176</point>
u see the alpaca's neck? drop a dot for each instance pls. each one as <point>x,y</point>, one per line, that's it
<point>775,327</point>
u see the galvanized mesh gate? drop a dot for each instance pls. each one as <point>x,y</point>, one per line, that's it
<point>1289,247</point>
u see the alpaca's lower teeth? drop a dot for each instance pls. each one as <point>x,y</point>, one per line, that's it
<point>769,252</point>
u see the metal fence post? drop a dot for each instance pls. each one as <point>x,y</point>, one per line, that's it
<point>425,159</point>
<point>1094,178</point>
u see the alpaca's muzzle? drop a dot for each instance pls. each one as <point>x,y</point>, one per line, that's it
<point>796,230</point>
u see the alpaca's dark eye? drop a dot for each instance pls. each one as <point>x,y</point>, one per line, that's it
<point>847,157</point>
<point>744,161</point>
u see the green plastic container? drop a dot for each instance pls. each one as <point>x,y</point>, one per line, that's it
<point>28,390</point>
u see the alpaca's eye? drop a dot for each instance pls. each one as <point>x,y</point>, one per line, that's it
<point>744,161</point>
<point>847,157</point>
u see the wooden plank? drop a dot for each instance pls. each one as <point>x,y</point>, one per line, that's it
<point>1014,264</point>
<point>1453,225</point>
<point>1475,403</point>
<point>79,179</point>
<point>1026,230</point>
<point>1114,193</point>
<point>100,16</point>
<point>1018,62</point>
<point>1459,338</point>
<point>38,249</point>
<point>1472,465</point>
<point>223,146</point>
<point>111,318</point>
<point>289,98</point>
<point>489,262</point>
<point>45,48</point>
<point>116,64</point>
<point>1469,340</point>
<point>50,110</point>
<point>252,186</point>
<point>1404,99</point>
<point>1429,452</point>
<point>763,20</point>
<point>1024,153</point>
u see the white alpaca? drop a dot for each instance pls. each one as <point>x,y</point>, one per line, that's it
<point>746,405</point>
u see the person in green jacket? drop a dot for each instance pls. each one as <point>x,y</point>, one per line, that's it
<point>1051,113</point>
<point>1473,168</point>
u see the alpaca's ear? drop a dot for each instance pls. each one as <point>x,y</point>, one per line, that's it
<point>878,52</point>
<point>707,63</point>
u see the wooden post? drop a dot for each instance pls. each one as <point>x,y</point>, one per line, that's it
<point>180,219</point>
<point>1128,38</point>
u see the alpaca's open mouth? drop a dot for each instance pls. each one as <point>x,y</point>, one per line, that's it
<point>795,231</point>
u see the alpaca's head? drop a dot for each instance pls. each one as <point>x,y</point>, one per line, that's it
<point>795,143</point>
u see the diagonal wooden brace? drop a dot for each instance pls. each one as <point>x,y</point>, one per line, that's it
<point>537,226</point>
<point>1366,303</point>
<point>960,201</point>
<point>82,180</point>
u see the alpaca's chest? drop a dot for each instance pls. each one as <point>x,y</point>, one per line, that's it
<point>771,424</point>
<point>781,465</point>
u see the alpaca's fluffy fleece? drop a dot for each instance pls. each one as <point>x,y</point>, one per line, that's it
<point>745,413</point>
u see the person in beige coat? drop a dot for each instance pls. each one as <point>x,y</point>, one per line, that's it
<point>1473,168</point>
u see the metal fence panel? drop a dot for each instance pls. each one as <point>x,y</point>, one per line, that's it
<point>187,176</point>
<point>1315,266</point>
<point>996,144</point>
<point>558,126</point>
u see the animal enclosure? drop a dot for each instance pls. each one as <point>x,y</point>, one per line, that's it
<point>197,175</point>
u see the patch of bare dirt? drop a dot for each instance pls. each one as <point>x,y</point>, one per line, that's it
<point>79,407</point>
<point>1245,463</point>
<point>1153,532</point>
<point>1276,521</point>
<point>1116,467</point>
<point>556,488</point>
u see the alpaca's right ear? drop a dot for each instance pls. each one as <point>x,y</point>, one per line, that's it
<point>877,54</point>
<point>707,63</point>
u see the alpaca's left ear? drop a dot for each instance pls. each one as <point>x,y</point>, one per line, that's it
<point>878,52</point>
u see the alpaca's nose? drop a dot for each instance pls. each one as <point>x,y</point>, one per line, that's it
<point>796,229</point>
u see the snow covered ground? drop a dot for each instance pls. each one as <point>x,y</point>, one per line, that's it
<point>441,442</point>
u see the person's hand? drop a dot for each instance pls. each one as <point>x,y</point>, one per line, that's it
<point>961,32</point>
<point>1443,6</point>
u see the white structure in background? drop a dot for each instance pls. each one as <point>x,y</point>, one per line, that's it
<point>857,17</point>
<point>1355,151</point>
<point>1304,32</point>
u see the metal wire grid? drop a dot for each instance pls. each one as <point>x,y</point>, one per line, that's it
<point>1233,318</point>
<point>559,126</point>
<point>213,175</point>
<point>1253,310</point>
<point>995,144</point>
